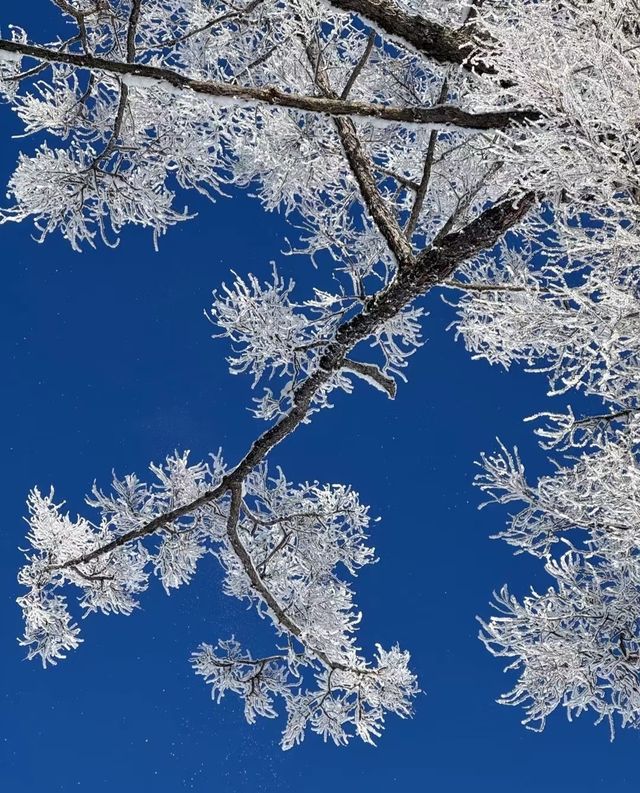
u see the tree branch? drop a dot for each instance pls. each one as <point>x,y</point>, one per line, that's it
<point>208,25</point>
<point>369,371</point>
<point>399,178</point>
<point>472,287</point>
<point>376,205</point>
<point>79,17</point>
<point>359,66</point>
<point>279,615</point>
<point>418,33</point>
<point>430,268</point>
<point>441,115</point>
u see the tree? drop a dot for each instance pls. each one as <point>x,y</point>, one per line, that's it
<point>486,149</point>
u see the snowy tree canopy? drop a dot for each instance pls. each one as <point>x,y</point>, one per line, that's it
<point>488,150</point>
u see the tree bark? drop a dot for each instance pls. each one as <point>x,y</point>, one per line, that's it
<point>437,42</point>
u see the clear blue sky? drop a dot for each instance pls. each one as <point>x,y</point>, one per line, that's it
<point>108,364</point>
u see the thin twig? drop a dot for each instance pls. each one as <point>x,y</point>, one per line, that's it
<point>423,187</point>
<point>360,65</point>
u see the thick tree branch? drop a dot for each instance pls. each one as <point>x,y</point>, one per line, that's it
<point>382,215</point>
<point>208,25</point>
<point>132,29</point>
<point>451,250</point>
<point>442,115</point>
<point>430,268</point>
<point>435,41</point>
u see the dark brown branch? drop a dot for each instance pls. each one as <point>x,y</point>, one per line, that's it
<point>117,125</point>
<point>432,267</point>
<point>280,617</point>
<point>441,115</point>
<point>89,577</point>
<point>377,207</point>
<point>480,234</point>
<point>436,42</point>
<point>132,29</point>
<point>619,414</point>
<point>421,192</point>
<point>208,25</point>
<point>79,17</point>
<point>359,66</point>
<point>247,563</point>
<point>40,67</point>
<point>370,371</point>
<point>399,178</point>
<point>257,62</point>
<point>284,541</point>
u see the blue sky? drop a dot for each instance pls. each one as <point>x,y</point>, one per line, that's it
<point>109,364</point>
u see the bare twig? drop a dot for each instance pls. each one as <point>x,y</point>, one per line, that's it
<point>208,25</point>
<point>359,66</point>
<point>362,170</point>
<point>472,287</point>
<point>132,28</point>
<point>421,192</point>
